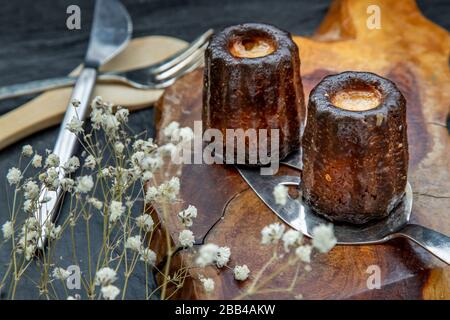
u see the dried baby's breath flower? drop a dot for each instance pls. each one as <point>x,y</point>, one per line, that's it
<point>67,184</point>
<point>52,231</point>
<point>208,284</point>
<point>75,125</point>
<point>145,222</point>
<point>146,176</point>
<point>75,103</point>
<point>110,292</point>
<point>84,184</point>
<point>151,194</point>
<point>31,190</point>
<point>280,193</point>
<point>36,162</point>
<point>272,233</point>
<point>171,129</point>
<point>28,205</point>
<point>52,160</point>
<point>51,178</point>
<point>72,165</point>
<point>291,238</point>
<point>186,238</point>
<point>116,209</point>
<point>118,147</point>
<point>122,115</point>
<point>323,238</point>
<point>185,217</point>
<point>207,254</point>
<point>14,176</point>
<point>241,272</point>
<point>27,150</point>
<point>97,204</point>
<point>304,253</point>
<point>90,162</point>
<point>7,229</point>
<point>134,243</point>
<point>60,273</point>
<point>148,256</point>
<point>222,256</point>
<point>105,276</point>
<point>169,190</point>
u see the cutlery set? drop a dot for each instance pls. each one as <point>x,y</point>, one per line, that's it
<point>110,34</point>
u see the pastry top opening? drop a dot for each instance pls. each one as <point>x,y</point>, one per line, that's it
<point>357,99</point>
<point>251,47</point>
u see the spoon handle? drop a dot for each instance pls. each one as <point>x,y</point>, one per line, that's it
<point>435,242</point>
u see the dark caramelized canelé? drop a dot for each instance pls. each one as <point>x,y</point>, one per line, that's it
<point>355,148</point>
<point>252,81</point>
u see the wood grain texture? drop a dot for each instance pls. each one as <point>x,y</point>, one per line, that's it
<point>411,51</point>
<point>48,109</point>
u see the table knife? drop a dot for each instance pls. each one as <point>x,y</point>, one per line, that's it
<point>110,33</point>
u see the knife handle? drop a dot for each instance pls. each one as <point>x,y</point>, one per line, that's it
<point>21,89</point>
<point>65,147</point>
<point>434,242</point>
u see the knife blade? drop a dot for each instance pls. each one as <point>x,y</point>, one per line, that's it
<point>110,33</point>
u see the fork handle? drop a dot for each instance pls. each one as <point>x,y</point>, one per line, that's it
<point>434,242</point>
<point>22,89</point>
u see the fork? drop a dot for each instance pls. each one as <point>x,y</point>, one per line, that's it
<point>157,76</point>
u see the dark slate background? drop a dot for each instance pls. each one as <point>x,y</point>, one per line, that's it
<point>35,43</point>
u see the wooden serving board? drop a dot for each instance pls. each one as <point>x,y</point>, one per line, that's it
<point>408,49</point>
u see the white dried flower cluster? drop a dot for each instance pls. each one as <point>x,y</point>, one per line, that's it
<point>122,115</point>
<point>116,209</point>
<point>52,160</point>
<point>53,232</point>
<point>72,165</point>
<point>31,190</point>
<point>102,116</point>
<point>241,273</point>
<point>186,238</point>
<point>323,238</point>
<point>90,162</point>
<point>185,217</point>
<point>50,178</point>
<point>29,236</point>
<point>105,278</point>
<point>67,184</point>
<point>75,125</point>
<point>60,273</point>
<point>272,233</point>
<point>84,184</point>
<point>134,243</point>
<point>97,204</point>
<point>36,162</point>
<point>148,256</point>
<point>167,191</point>
<point>280,193</point>
<point>27,150</point>
<point>211,253</point>
<point>110,292</point>
<point>208,284</point>
<point>7,229</point>
<point>145,222</point>
<point>304,253</point>
<point>14,176</point>
<point>291,238</point>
